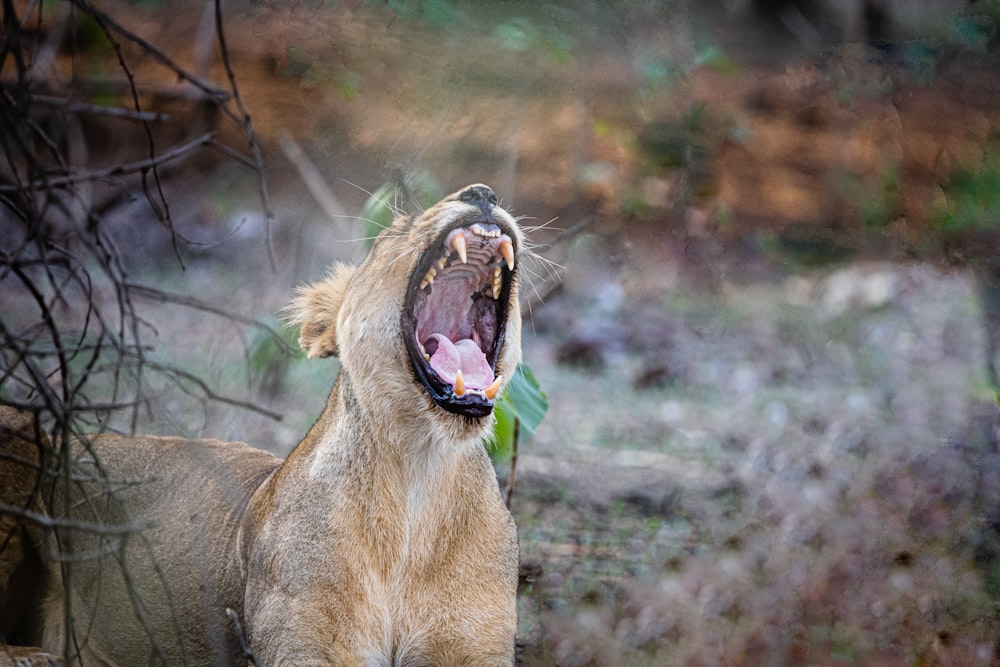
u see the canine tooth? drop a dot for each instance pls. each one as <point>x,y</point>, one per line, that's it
<point>507,250</point>
<point>492,390</point>
<point>458,243</point>
<point>459,388</point>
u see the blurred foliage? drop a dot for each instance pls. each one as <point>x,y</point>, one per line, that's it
<point>880,204</point>
<point>437,13</point>
<point>677,143</point>
<point>268,357</point>
<point>804,246</point>
<point>972,196</point>
<point>526,34</point>
<point>418,190</point>
<point>976,31</point>
<point>512,31</point>
<point>345,82</point>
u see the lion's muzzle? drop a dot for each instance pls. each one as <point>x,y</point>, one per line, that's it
<point>456,311</point>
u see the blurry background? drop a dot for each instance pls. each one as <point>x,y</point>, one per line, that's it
<point>765,307</point>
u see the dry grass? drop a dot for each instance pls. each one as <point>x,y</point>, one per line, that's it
<point>813,488</point>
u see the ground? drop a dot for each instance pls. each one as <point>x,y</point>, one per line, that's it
<point>770,438</point>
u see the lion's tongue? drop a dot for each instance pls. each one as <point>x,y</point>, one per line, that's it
<point>449,357</point>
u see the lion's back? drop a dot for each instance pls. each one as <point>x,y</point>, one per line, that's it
<point>155,554</point>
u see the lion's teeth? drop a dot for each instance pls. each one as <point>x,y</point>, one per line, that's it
<point>458,243</point>
<point>428,277</point>
<point>507,250</point>
<point>441,262</point>
<point>497,282</point>
<point>459,387</point>
<point>479,230</point>
<point>492,390</point>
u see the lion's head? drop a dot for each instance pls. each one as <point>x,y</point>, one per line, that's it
<point>429,323</point>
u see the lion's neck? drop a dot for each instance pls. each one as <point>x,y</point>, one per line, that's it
<point>410,438</point>
<point>400,480</point>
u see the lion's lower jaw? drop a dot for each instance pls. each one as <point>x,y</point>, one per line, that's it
<point>415,422</point>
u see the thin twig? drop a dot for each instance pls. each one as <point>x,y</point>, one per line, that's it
<point>83,326</point>
<point>100,110</point>
<point>196,304</point>
<point>48,521</point>
<point>511,478</point>
<point>241,634</point>
<point>210,393</point>
<point>83,175</point>
<point>245,123</point>
<point>312,178</point>
<point>216,94</point>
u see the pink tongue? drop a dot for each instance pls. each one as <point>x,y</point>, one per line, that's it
<point>465,355</point>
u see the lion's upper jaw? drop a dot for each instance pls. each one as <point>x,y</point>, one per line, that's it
<point>428,326</point>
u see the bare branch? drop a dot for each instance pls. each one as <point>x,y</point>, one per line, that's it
<point>189,302</point>
<point>220,96</point>
<point>251,135</point>
<point>47,521</point>
<point>99,110</point>
<point>74,349</point>
<point>82,175</point>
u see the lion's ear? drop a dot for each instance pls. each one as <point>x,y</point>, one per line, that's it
<point>315,309</point>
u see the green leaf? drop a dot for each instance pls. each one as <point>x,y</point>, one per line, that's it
<point>523,402</point>
<point>383,206</point>
<point>500,444</point>
<point>378,211</point>
<point>527,401</point>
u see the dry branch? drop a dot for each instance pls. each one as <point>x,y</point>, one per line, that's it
<point>79,175</point>
<point>75,348</point>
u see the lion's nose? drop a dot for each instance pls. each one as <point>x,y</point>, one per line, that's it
<point>479,195</point>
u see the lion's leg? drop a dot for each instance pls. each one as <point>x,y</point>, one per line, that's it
<point>21,567</point>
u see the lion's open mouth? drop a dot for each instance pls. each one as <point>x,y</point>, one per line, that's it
<point>456,313</point>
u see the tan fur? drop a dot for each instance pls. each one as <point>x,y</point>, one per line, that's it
<point>315,310</point>
<point>381,540</point>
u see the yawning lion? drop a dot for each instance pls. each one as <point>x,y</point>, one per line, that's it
<point>381,540</point>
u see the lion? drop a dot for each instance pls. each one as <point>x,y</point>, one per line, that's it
<point>382,539</point>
